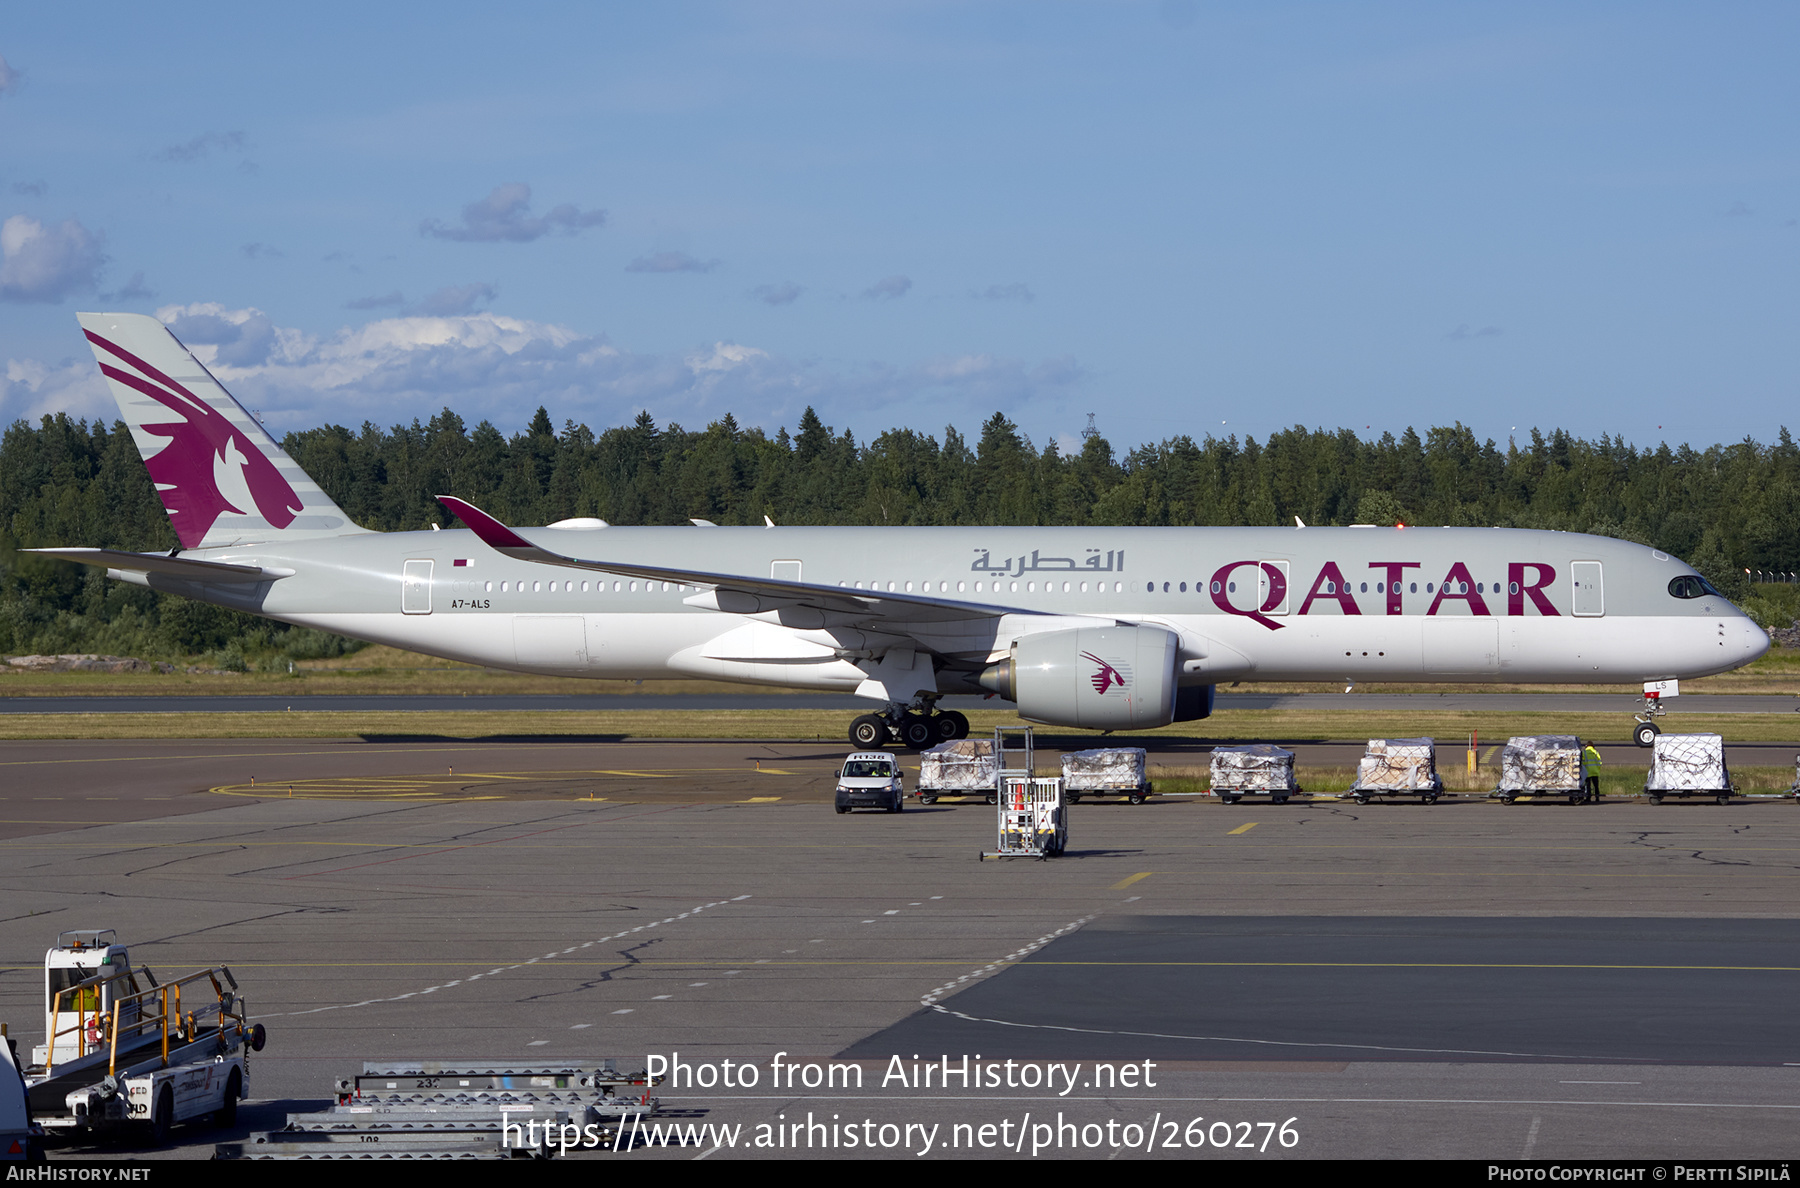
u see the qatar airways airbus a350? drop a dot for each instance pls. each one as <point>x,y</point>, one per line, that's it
<point>1097,628</point>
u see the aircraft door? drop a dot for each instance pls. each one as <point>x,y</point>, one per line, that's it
<point>1590,588</point>
<point>415,588</point>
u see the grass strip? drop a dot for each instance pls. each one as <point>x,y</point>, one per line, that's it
<point>1450,727</point>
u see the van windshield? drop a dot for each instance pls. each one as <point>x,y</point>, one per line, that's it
<point>868,769</point>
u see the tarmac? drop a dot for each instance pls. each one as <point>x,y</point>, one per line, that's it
<point>1460,980</point>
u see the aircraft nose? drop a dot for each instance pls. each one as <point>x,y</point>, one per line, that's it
<point>1756,641</point>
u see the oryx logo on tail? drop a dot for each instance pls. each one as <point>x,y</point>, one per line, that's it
<point>209,467</point>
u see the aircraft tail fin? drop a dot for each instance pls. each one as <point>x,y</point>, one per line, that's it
<point>222,478</point>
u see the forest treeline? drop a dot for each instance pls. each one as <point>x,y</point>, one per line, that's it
<point>1724,509</point>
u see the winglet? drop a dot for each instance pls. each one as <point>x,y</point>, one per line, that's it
<point>492,532</point>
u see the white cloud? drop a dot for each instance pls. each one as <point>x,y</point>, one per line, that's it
<point>453,300</point>
<point>30,389</point>
<point>203,146</point>
<point>486,365</point>
<point>670,262</point>
<point>505,216</point>
<point>45,263</point>
<point>1017,291</point>
<point>888,288</point>
<point>783,294</point>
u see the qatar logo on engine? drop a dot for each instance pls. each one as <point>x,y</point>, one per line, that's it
<point>1106,676</point>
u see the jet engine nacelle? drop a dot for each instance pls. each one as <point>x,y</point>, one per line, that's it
<point>1097,678</point>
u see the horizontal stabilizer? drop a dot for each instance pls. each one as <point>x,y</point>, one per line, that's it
<point>181,567</point>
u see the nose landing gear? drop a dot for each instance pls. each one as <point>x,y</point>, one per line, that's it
<point>917,726</point>
<point>1644,734</point>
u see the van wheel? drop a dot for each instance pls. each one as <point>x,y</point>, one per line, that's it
<point>225,1117</point>
<point>162,1117</point>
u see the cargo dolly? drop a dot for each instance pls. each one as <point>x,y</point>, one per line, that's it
<point>461,1109</point>
<point>1116,771</point>
<point>1687,765</point>
<point>1398,767</point>
<point>1253,769</point>
<point>1541,765</point>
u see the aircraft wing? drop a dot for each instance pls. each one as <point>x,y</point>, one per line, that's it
<point>193,570</point>
<point>738,593</point>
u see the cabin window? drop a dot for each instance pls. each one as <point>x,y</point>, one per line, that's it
<point>1231,587</point>
<point>1149,587</point>
<point>1427,587</point>
<point>1014,589</point>
<point>959,586</point>
<point>1215,587</point>
<point>1165,587</point>
<point>1413,587</point>
<point>1330,587</point>
<point>1365,588</point>
<point>1184,587</point>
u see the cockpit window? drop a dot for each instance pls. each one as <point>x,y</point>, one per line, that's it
<point>868,769</point>
<point>1692,586</point>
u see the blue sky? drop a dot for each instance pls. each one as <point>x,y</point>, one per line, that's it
<point>1183,217</point>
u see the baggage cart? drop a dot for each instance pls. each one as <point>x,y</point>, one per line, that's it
<point>1033,815</point>
<point>1398,767</point>
<point>1687,765</point>
<point>965,767</point>
<point>1255,769</point>
<point>1541,765</point>
<point>1118,771</point>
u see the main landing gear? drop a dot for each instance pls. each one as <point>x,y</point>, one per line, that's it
<point>918,726</point>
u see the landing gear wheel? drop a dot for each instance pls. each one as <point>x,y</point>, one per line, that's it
<point>917,732</point>
<point>951,726</point>
<point>1645,734</point>
<point>868,731</point>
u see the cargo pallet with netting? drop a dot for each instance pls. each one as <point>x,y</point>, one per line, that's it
<point>1541,765</point>
<point>1398,767</point>
<point>1253,770</point>
<point>1116,771</point>
<point>1687,765</point>
<point>965,767</point>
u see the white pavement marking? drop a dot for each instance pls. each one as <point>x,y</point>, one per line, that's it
<point>1531,1136</point>
<point>931,999</point>
<point>500,969</point>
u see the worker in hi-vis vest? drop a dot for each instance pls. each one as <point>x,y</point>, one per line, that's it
<point>1590,771</point>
